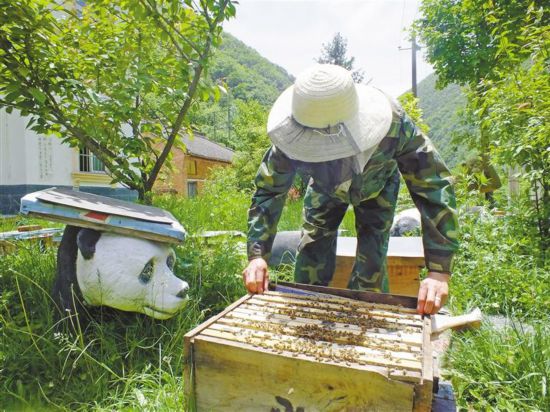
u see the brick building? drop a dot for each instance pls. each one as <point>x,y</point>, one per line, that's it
<point>190,167</point>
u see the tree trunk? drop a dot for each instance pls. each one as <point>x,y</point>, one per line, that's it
<point>145,196</point>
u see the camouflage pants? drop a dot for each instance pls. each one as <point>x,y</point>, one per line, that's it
<point>323,214</point>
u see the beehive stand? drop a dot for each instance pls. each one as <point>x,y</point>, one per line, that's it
<point>281,352</point>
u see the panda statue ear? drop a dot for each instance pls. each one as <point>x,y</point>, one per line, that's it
<point>86,241</point>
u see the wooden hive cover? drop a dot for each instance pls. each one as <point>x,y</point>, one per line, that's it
<point>405,259</point>
<point>103,213</point>
<point>280,352</point>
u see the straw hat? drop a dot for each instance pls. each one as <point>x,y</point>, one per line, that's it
<point>326,116</point>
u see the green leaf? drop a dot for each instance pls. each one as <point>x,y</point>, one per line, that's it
<point>38,95</point>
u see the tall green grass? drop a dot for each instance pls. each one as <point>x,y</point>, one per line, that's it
<point>122,361</point>
<point>126,361</point>
<point>502,370</point>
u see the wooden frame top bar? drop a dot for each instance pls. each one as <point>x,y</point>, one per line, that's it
<point>364,296</point>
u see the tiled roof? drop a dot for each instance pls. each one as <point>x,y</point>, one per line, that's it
<point>200,146</point>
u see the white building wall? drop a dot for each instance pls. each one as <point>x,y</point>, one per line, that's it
<point>12,151</point>
<point>31,159</point>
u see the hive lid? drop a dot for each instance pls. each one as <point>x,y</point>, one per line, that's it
<point>103,213</point>
<point>398,246</point>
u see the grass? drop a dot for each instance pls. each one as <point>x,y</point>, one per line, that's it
<point>502,370</point>
<point>127,361</point>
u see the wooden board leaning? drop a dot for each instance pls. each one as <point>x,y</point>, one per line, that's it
<point>283,351</point>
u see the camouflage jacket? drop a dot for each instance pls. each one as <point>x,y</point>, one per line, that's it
<point>404,147</point>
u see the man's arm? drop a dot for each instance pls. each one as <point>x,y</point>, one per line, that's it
<point>429,183</point>
<point>274,179</point>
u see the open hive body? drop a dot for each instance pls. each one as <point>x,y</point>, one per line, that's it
<point>290,352</point>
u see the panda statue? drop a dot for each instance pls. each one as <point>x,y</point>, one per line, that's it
<point>126,273</point>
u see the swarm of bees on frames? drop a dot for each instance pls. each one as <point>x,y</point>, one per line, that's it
<point>335,332</point>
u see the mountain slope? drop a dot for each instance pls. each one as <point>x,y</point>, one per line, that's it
<point>248,74</point>
<point>440,111</point>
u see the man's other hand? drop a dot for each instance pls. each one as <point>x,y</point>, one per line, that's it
<point>255,276</point>
<point>433,293</point>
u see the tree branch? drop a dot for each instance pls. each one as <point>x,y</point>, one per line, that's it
<point>190,95</point>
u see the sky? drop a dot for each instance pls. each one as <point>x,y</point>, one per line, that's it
<point>291,33</point>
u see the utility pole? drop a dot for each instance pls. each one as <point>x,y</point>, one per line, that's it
<point>414,48</point>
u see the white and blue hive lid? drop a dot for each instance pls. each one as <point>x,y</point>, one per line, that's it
<point>104,214</point>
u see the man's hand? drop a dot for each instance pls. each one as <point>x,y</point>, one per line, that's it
<point>433,293</point>
<point>255,276</point>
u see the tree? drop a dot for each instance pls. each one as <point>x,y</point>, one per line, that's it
<point>411,107</point>
<point>467,42</point>
<point>517,103</point>
<point>253,141</point>
<point>335,51</point>
<point>117,79</point>
<point>500,50</point>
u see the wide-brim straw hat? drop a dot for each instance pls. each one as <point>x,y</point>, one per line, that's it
<point>326,116</point>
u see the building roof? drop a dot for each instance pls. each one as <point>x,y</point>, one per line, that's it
<point>200,146</point>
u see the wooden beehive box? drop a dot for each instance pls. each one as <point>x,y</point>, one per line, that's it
<point>289,352</point>
<point>405,260</point>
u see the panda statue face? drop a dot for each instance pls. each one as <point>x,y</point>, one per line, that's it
<point>129,274</point>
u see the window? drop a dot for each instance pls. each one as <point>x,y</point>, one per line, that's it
<point>88,162</point>
<point>191,167</point>
<point>191,189</point>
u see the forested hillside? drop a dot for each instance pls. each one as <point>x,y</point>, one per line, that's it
<point>251,81</point>
<point>440,110</point>
<point>251,77</point>
<point>247,74</point>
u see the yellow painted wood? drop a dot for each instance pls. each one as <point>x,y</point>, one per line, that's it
<point>376,336</point>
<point>321,350</point>
<point>414,339</point>
<point>405,260</point>
<point>232,378</point>
<point>367,339</point>
<point>336,309</point>
<point>282,351</point>
<point>424,391</point>
<point>312,299</point>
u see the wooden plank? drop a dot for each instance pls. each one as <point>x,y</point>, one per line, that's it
<point>370,339</point>
<point>337,309</point>
<point>195,331</point>
<point>30,234</point>
<point>416,262</point>
<point>344,354</point>
<point>277,337</point>
<point>388,310</point>
<point>307,330</point>
<point>97,219</point>
<point>227,376</point>
<point>104,204</point>
<point>405,258</point>
<point>372,297</point>
<point>359,319</point>
<point>301,356</point>
<point>403,274</point>
<point>424,391</point>
<point>411,339</point>
<point>410,246</point>
<point>362,321</point>
<point>404,277</point>
<point>188,352</point>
